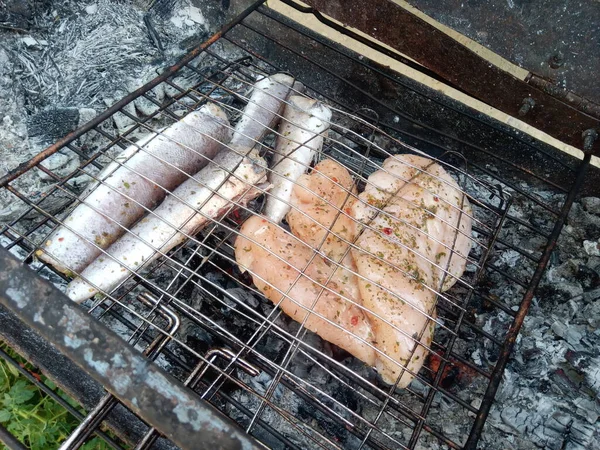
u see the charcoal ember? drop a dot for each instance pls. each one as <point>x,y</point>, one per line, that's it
<point>593,262</point>
<point>587,364</point>
<point>534,362</point>
<point>48,125</point>
<point>122,121</point>
<point>320,420</point>
<point>561,292</point>
<point>532,244</point>
<point>582,436</point>
<point>584,223</point>
<point>588,408</point>
<point>591,313</point>
<point>150,102</point>
<point>61,164</point>
<point>588,277</point>
<point>591,205</point>
<point>243,296</point>
<point>566,270</point>
<point>17,13</point>
<point>592,248</point>
<point>262,383</point>
<point>271,347</point>
<point>571,333</point>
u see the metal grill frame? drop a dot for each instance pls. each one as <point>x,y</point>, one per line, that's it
<point>142,335</point>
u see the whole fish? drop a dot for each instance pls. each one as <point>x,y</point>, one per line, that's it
<point>191,206</point>
<point>263,110</point>
<point>301,133</point>
<point>235,175</point>
<point>138,179</point>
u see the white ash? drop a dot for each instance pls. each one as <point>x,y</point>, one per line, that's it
<point>76,59</point>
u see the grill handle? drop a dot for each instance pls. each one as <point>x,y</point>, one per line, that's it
<point>151,393</point>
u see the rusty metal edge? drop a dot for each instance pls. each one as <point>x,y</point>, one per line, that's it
<point>70,378</point>
<point>168,72</point>
<point>147,390</point>
<point>391,24</point>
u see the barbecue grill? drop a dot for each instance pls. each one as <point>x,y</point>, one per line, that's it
<point>187,349</point>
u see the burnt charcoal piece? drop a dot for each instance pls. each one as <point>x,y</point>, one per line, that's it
<point>162,8</point>
<point>308,412</point>
<point>51,124</point>
<point>16,13</point>
<point>588,278</point>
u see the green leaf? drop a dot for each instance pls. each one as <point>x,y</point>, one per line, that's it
<point>5,415</point>
<point>21,392</point>
<point>13,370</point>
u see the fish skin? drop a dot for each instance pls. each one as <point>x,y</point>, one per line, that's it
<point>100,219</point>
<point>301,135</point>
<point>249,169</point>
<point>260,248</point>
<point>404,271</point>
<point>263,110</point>
<point>157,233</point>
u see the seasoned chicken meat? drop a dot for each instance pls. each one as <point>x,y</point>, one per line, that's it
<point>413,227</point>
<point>320,209</point>
<point>291,275</point>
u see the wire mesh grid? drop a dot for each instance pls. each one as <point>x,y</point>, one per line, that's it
<point>196,314</point>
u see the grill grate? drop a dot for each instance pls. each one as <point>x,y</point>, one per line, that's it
<point>191,313</point>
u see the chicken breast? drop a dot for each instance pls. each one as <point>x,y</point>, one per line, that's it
<point>282,269</point>
<point>320,209</point>
<point>413,227</point>
<point>139,180</point>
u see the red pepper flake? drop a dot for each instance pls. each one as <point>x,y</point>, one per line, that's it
<point>334,179</point>
<point>436,198</point>
<point>347,211</point>
<point>354,321</point>
<point>60,239</point>
<point>237,216</point>
<point>387,231</point>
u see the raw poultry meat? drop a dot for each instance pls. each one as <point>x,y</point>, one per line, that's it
<point>320,204</point>
<point>413,226</point>
<point>291,275</point>
<point>404,230</point>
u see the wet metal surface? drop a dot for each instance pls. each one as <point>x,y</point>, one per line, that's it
<point>70,378</point>
<point>556,40</point>
<point>389,23</point>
